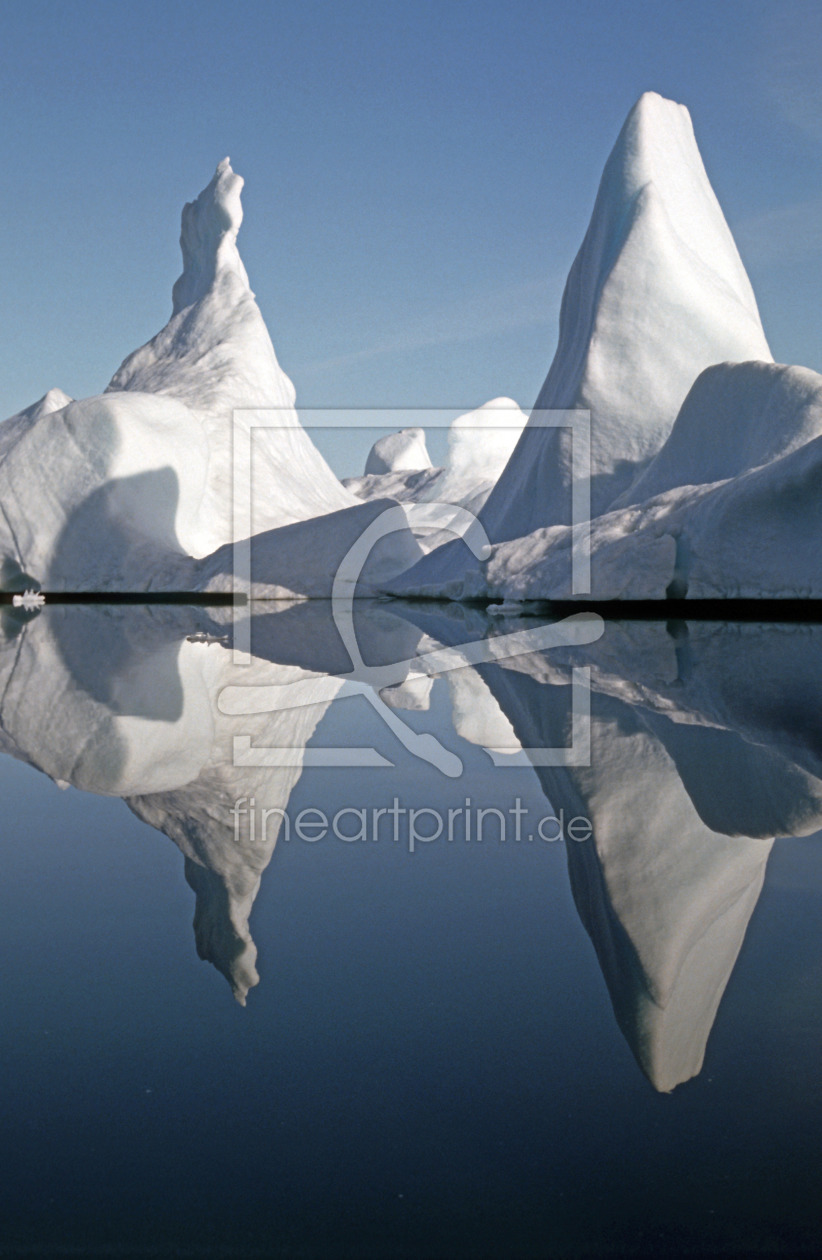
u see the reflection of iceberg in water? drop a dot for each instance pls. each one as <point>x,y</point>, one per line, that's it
<point>224,862</point>
<point>132,712</point>
<point>665,900</point>
<point>704,746</point>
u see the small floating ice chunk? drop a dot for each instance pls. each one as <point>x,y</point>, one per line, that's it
<point>29,600</point>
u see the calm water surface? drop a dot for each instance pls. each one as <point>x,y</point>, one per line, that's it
<point>449,1045</point>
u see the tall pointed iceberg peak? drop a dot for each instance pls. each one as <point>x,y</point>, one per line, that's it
<point>216,356</point>
<point>215,350</point>
<point>656,294</point>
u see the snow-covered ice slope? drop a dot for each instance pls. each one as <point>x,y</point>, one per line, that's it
<point>736,417</point>
<point>731,508</point>
<point>352,553</point>
<point>101,494</point>
<point>656,294</point>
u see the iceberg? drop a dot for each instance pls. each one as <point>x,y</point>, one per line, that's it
<point>704,453</point>
<point>216,357</point>
<point>730,510</point>
<point>131,489</point>
<point>694,768</point>
<point>398,466</point>
<point>656,294</point>
<point>480,443</point>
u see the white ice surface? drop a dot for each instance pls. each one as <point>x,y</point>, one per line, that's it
<point>695,765</point>
<point>127,490</point>
<point>122,702</point>
<point>215,355</point>
<point>480,443</point>
<point>404,451</point>
<point>728,508</point>
<point>736,417</point>
<point>656,294</point>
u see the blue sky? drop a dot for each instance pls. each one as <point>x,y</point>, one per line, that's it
<point>419,175</point>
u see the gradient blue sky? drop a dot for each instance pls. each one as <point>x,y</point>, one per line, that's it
<point>418,175</point>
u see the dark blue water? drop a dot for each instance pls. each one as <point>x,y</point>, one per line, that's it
<point>431,1064</point>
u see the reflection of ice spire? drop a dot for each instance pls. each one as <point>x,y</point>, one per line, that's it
<point>132,711</point>
<point>221,928</point>
<point>665,900</point>
<point>222,866</point>
<point>694,765</point>
<point>225,853</point>
<point>224,860</point>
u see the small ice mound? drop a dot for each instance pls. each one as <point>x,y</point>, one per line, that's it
<point>480,443</point>
<point>414,694</point>
<point>53,400</point>
<point>398,452</point>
